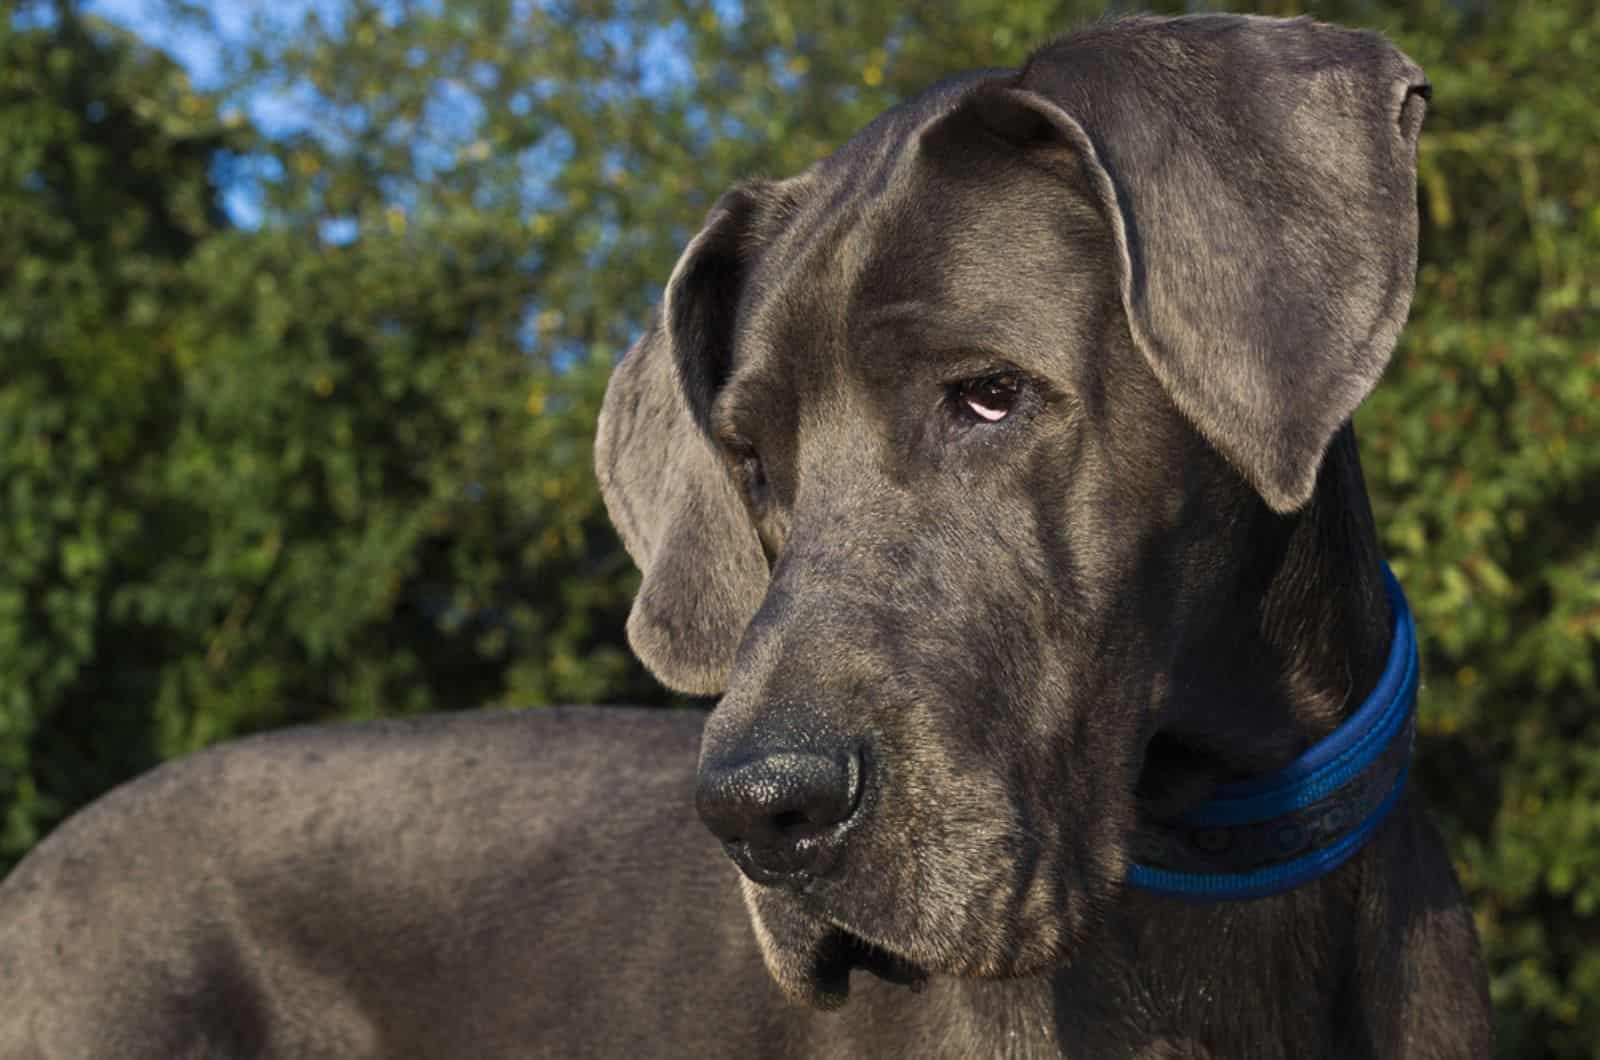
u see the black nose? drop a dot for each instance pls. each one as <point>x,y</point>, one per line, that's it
<point>780,816</point>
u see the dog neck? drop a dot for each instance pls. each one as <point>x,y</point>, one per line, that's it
<point>1304,637</point>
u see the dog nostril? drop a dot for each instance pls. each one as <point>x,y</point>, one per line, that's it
<point>789,821</point>
<point>779,809</point>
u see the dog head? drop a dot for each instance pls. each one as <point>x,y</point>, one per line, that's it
<point>941,457</point>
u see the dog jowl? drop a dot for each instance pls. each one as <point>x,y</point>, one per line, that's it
<point>996,472</point>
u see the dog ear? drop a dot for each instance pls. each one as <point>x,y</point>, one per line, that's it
<point>1259,180</point>
<point>666,487</point>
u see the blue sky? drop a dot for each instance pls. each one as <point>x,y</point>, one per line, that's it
<point>202,53</point>
<point>198,52</point>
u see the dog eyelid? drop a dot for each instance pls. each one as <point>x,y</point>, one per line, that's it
<point>732,442</point>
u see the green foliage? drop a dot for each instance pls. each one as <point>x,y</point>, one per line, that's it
<point>104,195</point>
<point>1483,453</point>
<point>254,478</point>
<point>338,464</point>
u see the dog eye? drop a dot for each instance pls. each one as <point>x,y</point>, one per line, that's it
<point>754,477</point>
<point>988,399</point>
<point>747,469</point>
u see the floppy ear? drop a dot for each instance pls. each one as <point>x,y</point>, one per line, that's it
<point>667,489</point>
<point>1259,180</point>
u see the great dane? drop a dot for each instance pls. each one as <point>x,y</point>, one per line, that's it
<point>997,473</point>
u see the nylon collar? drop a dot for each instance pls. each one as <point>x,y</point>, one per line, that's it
<point>1272,833</point>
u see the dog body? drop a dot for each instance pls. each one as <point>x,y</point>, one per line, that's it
<point>997,474</point>
<point>537,885</point>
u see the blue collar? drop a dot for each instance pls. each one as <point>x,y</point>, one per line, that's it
<point>1272,833</point>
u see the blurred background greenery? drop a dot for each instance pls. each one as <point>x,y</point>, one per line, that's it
<point>306,309</point>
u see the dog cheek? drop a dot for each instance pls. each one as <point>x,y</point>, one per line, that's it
<point>952,876</point>
<point>1078,878</point>
<point>1066,838</point>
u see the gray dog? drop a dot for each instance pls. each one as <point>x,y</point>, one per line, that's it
<point>997,472</point>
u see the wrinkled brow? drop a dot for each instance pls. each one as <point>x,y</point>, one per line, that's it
<point>940,325</point>
<point>900,338</point>
<point>744,400</point>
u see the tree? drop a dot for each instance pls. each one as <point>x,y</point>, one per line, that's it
<point>104,194</point>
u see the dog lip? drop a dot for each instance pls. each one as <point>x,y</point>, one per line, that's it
<point>854,950</point>
<point>767,868</point>
<point>856,770</point>
<point>797,868</point>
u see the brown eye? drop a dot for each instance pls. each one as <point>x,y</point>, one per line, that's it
<point>754,476</point>
<point>747,469</point>
<point>990,398</point>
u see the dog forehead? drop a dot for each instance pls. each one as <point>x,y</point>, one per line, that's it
<point>890,254</point>
<point>817,226</point>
